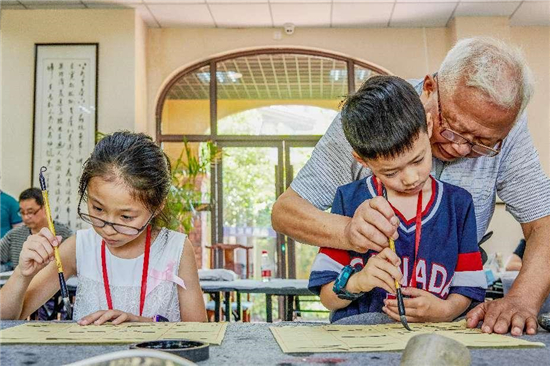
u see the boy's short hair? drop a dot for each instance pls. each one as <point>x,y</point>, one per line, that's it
<point>32,193</point>
<point>383,118</point>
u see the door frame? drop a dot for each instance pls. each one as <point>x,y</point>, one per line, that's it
<point>285,246</point>
<point>289,177</point>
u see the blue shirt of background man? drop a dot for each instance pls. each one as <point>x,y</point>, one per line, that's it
<point>9,214</point>
<point>449,260</point>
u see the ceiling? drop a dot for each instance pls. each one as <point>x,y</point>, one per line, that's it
<point>307,13</point>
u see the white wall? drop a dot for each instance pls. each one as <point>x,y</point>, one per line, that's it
<point>114,30</point>
<point>141,76</point>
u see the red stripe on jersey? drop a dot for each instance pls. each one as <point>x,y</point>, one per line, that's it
<point>469,262</point>
<point>338,255</point>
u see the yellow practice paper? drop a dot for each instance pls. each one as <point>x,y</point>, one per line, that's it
<point>383,337</point>
<point>72,333</point>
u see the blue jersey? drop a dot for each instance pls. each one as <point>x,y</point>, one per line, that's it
<point>448,260</point>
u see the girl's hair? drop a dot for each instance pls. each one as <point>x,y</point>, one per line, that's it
<point>132,158</point>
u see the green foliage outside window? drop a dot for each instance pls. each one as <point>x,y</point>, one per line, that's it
<point>186,197</point>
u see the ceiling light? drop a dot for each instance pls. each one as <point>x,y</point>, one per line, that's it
<point>362,74</point>
<point>223,77</point>
<point>342,74</point>
<point>338,74</point>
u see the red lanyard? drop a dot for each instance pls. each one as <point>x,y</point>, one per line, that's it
<point>143,273</point>
<point>417,232</point>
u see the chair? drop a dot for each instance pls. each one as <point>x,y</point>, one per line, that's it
<point>228,251</point>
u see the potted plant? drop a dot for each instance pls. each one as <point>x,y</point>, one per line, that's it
<point>187,195</point>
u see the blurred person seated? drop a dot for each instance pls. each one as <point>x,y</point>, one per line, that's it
<point>33,213</point>
<point>513,265</point>
<point>515,260</point>
<point>31,209</point>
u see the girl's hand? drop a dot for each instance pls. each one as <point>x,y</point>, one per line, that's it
<point>380,271</point>
<point>37,252</point>
<point>117,316</point>
<point>421,307</point>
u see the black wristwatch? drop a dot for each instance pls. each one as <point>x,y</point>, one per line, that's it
<point>339,287</point>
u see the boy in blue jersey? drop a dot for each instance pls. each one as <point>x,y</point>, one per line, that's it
<point>438,262</point>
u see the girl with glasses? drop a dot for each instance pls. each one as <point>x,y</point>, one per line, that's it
<point>128,266</point>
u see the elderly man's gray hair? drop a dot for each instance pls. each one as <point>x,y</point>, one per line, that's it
<point>497,69</point>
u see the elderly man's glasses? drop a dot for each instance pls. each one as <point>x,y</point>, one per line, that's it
<point>29,213</point>
<point>457,138</point>
<point>119,228</point>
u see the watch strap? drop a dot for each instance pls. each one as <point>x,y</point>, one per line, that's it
<point>339,287</point>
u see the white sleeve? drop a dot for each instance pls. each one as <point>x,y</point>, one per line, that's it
<point>521,182</point>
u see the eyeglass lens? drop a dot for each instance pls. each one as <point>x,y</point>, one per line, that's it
<point>122,229</point>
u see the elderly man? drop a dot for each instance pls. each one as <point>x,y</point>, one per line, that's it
<point>480,142</point>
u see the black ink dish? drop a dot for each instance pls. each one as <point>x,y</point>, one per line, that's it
<point>191,350</point>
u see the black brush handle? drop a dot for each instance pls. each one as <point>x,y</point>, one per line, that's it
<point>64,289</point>
<point>400,303</point>
<point>41,178</point>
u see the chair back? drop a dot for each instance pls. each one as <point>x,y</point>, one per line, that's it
<point>229,261</point>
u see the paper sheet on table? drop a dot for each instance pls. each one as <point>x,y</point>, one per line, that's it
<point>72,333</point>
<point>383,337</point>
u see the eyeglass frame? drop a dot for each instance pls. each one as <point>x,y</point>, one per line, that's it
<point>111,224</point>
<point>492,151</point>
<point>30,214</point>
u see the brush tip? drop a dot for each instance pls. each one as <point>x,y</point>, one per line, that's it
<point>68,307</point>
<point>404,322</point>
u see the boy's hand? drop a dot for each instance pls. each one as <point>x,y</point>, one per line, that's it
<point>37,252</point>
<point>380,271</point>
<point>372,224</point>
<point>421,307</point>
<point>117,316</point>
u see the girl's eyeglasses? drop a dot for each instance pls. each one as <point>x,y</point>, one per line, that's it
<point>457,138</point>
<point>119,228</point>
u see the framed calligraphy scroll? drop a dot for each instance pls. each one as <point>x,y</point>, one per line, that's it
<point>65,121</point>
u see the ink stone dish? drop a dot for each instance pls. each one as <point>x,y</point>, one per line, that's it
<point>191,350</point>
<point>544,321</point>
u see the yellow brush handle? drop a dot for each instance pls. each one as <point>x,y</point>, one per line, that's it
<point>392,247</point>
<point>52,229</point>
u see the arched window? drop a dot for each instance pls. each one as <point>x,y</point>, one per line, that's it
<point>265,109</point>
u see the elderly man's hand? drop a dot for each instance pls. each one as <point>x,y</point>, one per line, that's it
<point>504,314</point>
<point>372,224</point>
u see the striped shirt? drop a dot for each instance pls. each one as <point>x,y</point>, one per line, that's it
<point>12,243</point>
<point>448,262</point>
<point>515,175</point>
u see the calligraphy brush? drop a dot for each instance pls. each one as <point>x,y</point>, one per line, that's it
<point>400,303</point>
<point>62,283</point>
